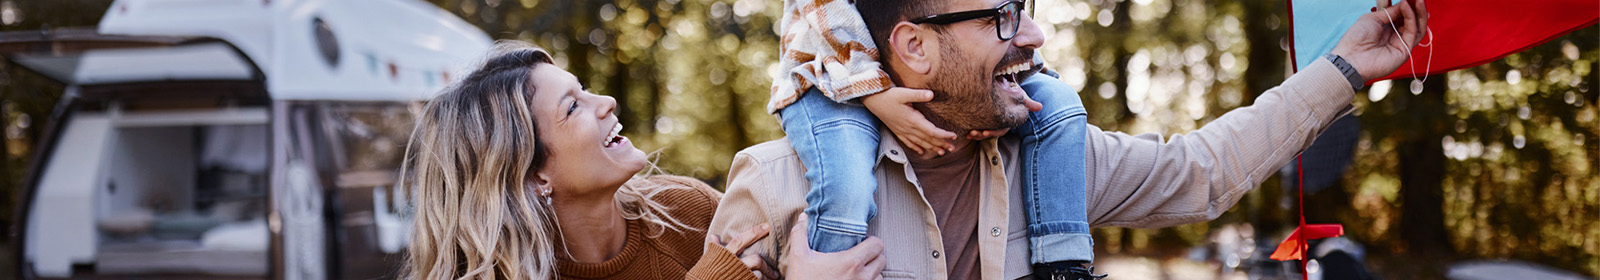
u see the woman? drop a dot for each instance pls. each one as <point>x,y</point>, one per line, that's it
<point>521,174</point>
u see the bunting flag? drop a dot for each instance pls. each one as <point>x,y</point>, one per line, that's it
<point>1465,33</point>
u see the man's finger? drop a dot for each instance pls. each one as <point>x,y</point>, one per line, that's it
<point>874,268</point>
<point>1411,25</point>
<point>742,242</point>
<point>753,262</point>
<point>1414,21</point>
<point>1422,14</point>
<point>764,271</point>
<point>867,250</point>
<point>797,235</point>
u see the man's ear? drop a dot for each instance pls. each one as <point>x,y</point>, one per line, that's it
<point>914,47</point>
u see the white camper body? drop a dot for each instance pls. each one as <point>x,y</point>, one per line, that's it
<point>232,138</point>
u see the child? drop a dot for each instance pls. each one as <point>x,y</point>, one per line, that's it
<point>811,96</point>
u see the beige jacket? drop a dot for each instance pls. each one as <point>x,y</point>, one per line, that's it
<point>1134,181</point>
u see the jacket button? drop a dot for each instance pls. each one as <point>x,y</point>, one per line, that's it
<point>894,152</point>
<point>935,254</point>
<point>994,232</point>
<point>994,160</point>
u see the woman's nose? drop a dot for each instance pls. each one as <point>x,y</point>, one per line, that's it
<point>607,106</point>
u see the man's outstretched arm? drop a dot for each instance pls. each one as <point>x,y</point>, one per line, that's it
<point>1141,181</point>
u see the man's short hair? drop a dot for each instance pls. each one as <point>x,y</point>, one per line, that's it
<point>881,16</point>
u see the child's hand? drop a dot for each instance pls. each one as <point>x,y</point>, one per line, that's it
<point>893,107</point>
<point>986,134</point>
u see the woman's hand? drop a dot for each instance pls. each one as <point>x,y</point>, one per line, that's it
<point>893,107</point>
<point>740,242</point>
<point>864,261</point>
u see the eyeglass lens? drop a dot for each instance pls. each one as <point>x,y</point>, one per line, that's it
<point>1009,20</point>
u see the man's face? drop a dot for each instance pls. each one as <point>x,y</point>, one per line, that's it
<point>976,79</point>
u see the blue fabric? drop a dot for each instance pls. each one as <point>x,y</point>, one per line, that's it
<point>1053,172</point>
<point>840,201</point>
<point>1318,25</point>
<point>842,184</point>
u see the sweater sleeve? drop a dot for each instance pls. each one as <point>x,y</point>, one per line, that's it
<point>717,264</point>
<point>826,45</point>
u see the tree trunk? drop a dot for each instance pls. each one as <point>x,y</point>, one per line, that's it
<point>1421,175</point>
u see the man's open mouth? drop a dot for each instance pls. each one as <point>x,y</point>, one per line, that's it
<point>1010,76</point>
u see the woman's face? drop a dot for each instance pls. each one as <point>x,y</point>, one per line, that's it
<point>587,155</point>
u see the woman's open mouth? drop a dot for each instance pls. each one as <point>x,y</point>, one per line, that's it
<point>614,138</point>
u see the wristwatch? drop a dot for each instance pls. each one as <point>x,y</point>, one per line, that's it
<point>1356,82</point>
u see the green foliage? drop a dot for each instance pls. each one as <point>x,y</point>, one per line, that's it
<point>691,76</point>
<point>1503,156</point>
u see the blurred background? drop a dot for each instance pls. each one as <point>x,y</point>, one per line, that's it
<point>1492,165</point>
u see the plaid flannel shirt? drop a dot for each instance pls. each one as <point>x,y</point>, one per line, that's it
<point>826,45</point>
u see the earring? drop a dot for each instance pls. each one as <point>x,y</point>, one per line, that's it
<point>546,195</point>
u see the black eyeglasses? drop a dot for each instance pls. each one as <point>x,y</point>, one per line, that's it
<point>1007,17</point>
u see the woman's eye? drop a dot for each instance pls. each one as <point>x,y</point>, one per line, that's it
<point>572,108</point>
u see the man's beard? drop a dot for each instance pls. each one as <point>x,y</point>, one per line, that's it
<point>965,97</point>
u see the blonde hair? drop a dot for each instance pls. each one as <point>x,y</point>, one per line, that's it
<point>473,150</point>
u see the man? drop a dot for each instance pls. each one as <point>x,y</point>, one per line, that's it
<point>959,215</point>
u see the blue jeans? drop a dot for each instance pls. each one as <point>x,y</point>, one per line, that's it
<point>840,201</point>
<point>1053,172</point>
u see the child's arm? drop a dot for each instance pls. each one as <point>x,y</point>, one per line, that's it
<point>825,45</point>
<point>893,107</point>
<point>814,32</point>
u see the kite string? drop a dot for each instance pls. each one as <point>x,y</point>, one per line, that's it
<point>1429,45</point>
<point>1300,245</point>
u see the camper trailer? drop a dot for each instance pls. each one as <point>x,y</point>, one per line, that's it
<point>230,139</point>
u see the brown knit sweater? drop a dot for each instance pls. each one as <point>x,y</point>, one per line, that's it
<point>670,255</point>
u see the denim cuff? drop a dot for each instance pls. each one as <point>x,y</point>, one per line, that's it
<point>827,240</point>
<point>1061,247</point>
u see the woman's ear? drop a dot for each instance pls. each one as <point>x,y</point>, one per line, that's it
<point>541,184</point>
<point>914,46</point>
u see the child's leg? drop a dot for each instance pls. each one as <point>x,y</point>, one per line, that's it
<point>838,145</point>
<point>1053,173</point>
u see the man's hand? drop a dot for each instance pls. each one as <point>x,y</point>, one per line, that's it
<point>740,242</point>
<point>893,107</point>
<point>1371,45</point>
<point>865,261</point>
